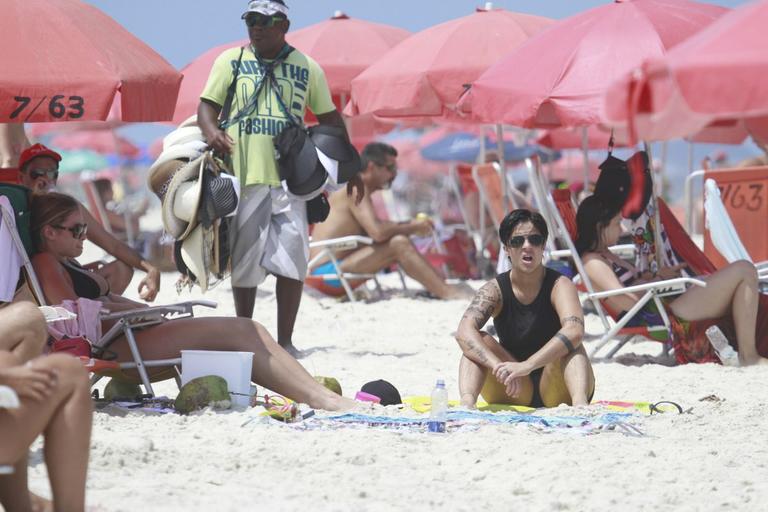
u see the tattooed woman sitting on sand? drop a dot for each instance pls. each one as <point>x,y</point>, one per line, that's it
<point>539,360</point>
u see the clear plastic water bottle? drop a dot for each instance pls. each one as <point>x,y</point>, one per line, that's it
<point>725,352</point>
<point>439,408</point>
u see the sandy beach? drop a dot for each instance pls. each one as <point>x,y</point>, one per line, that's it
<point>711,458</point>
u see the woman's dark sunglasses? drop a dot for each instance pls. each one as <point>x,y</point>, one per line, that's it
<point>535,240</point>
<point>260,20</point>
<point>52,175</point>
<point>78,230</point>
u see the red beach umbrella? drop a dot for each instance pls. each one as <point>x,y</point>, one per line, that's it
<point>570,138</point>
<point>104,142</point>
<point>195,75</point>
<point>720,73</point>
<point>559,77</point>
<point>76,72</point>
<point>343,47</point>
<point>424,75</point>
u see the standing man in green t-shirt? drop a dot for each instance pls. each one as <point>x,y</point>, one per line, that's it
<point>270,234</point>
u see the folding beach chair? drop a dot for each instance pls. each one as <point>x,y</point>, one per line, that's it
<point>125,323</point>
<point>462,184</point>
<point>561,208</point>
<point>723,234</point>
<point>335,282</point>
<point>95,205</point>
<point>744,195</point>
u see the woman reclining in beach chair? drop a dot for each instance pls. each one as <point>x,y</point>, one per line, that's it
<point>58,229</point>
<point>730,291</point>
<point>539,359</point>
<point>54,400</point>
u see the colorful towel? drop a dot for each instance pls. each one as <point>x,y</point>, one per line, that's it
<point>466,419</point>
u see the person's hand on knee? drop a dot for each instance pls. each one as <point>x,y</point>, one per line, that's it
<point>30,381</point>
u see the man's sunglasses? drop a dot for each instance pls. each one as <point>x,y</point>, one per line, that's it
<point>78,230</point>
<point>52,175</point>
<point>260,20</point>
<point>535,240</point>
<point>390,167</point>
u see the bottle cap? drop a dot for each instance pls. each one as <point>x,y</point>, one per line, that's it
<point>440,383</point>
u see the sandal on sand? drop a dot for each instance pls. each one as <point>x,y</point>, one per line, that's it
<point>280,408</point>
<point>665,406</point>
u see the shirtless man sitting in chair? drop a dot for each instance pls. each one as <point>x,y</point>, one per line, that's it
<point>391,239</point>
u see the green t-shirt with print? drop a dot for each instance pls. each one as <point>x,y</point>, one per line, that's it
<point>302,83</point>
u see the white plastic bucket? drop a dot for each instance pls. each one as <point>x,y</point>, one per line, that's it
<point>234,367</point>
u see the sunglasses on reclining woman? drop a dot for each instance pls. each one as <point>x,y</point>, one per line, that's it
<point>517,242</point>
<point>260,20</point>
<point>79,231</point>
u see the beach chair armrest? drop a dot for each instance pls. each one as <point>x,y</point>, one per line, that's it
<point>668,287</point>
<point>158,311</point>
<point>620,250</point>
<point>55,313</point>
<point>342,243</point>
<point>560,254</point>
<point>623,249</point>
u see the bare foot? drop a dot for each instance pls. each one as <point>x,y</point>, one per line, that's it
<point>336,403</point>
<point>40,504</point>
<point>757,361</point>
<point>468,401</point>
<point>291,349</point>
<point>459,291</point>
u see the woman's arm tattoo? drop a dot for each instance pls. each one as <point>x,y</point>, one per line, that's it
<point>477,350</point>
<point>573,319</point>
<point>566,341</point>
<point>482,305</point>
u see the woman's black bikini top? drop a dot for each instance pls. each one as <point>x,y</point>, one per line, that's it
<point>525,328</point>
<point>84,282</point>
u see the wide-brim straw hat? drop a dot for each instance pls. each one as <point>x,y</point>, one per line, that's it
<point>182,135</point>
<point>180,146</point>
<point>170,161</point>
<point>181,201</point>
<point>196,250</point>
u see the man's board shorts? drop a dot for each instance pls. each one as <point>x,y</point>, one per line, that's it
<point>270,235</point>
<point>327,268</point>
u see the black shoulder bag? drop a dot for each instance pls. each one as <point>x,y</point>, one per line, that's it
<point>318,207</point>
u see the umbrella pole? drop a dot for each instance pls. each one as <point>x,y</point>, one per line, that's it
<point>481,154</point>
<point>585,150</point>
<point>347,120</point>
<point>656,216</point>
<point>503,165</point>
<point>690,156</point>
<point>129,234</point>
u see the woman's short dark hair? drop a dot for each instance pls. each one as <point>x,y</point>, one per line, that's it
<point>515,217</point>
<point>593,216</point>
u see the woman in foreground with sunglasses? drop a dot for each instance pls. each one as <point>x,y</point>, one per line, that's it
<point>539,360</point>
<point>56,221</point>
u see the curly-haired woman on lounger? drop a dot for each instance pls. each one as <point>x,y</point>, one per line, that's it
<point>538,360</point>
<point>58,228</point>
<point>729,291</point>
